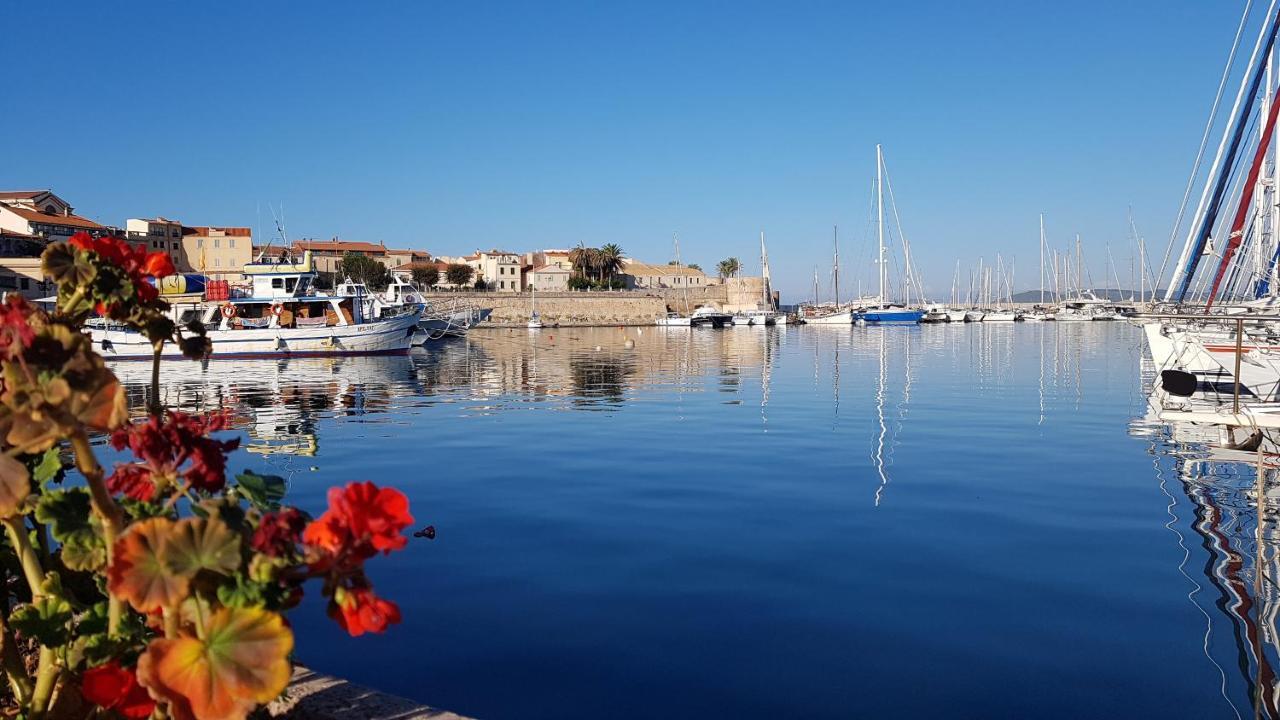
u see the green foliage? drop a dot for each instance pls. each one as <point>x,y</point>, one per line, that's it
<point>48,469</point>
<point>46,620</point>
<point>458,274</point>
<point>426,276</point>
<point>263,491</point>
<point>481,284</point>
<point>729,267</point>
<point>364,269</point>
<point>68,517</point>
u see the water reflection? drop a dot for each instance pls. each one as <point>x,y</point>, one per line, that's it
<point>1227,499</point>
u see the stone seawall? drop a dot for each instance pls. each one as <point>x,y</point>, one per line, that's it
<point>586,309</point>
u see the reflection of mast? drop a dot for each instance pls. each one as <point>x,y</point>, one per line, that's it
<point>878,455</point>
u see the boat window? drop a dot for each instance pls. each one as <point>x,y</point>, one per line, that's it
<point>277,283</point>
<point>290,284</point>
<point>186,317</point>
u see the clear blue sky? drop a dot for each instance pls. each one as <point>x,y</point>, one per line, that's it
<point>456,126</point>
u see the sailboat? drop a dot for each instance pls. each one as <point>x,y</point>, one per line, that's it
<point>535,321</point>
<point>883,311</point>
<point>838,316</point>
<point>999,313</point>
<point>672,319</point>
<point>763,314</point>
<point>1039,312</point>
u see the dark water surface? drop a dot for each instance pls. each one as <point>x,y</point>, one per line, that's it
<point>817,522</point>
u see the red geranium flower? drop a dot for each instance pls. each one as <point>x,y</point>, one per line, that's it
<point>137,263</point>
<point>362,519</point>
<point>15,326</point>
<point>176,447</point>
<point>359,611</point>
<point>116,688</point>
<point>279,532</point>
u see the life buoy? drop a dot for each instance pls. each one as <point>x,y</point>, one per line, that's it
<point>228,311</point>
<point>277,309</point>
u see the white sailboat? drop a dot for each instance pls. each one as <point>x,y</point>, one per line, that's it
<point>673,319</point>
<point>884,311</point>
<point>822,316</point>
<point>535,320</point>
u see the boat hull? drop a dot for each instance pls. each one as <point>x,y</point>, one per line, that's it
<point>380,337</point>
<point>840,318</point>
<point>884,317</point>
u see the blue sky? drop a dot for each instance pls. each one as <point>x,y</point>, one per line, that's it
<point>456,126</point>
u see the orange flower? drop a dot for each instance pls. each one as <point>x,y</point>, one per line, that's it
<point>158,265</point>
<point>359,611</point>
<point>362,519</point>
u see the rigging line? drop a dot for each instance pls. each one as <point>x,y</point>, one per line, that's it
<point>1204,140</point>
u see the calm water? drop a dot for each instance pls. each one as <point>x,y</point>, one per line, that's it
<point>951,521</point>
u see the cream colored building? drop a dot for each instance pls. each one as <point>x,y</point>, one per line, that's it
<point>44,215</point>
<point>500,270</point>
<point>24,276</point>
<point>548,278</point>
<point>219,252</point>
<point>156,234</point>
<point>643,276</point>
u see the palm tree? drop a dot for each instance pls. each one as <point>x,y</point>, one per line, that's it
<point>578,257</point>
<point>610,256</point>
<point>728,267</point>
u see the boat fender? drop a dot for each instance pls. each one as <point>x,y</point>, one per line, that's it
<point>228,311</point>
<point>1178,382</point>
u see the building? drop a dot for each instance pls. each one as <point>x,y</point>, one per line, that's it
<point>643,276</point>
<point>25,276</point>
<point>156,234</point>
<point>328,254</point>
<point>548,278</point>
<point>500,270</point>
<point>44,215</point>
<point>219,252</point>
<point>399,258</point>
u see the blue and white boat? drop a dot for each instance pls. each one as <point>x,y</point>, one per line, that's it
<point>278,315</point>
<point>885,312</point>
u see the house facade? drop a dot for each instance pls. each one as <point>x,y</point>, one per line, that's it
<point>219,252</point>
<point>44,215</point>
<point>328,254</point>
<point>501,270</point>
<point>643,276</point>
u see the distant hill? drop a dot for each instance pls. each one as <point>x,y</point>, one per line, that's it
<point>1031,296</point>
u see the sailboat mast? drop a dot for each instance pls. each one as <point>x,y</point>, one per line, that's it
<point>764,271</point>
<point>880,220</point>
<point>1041,257</point>
<point>835,243</point>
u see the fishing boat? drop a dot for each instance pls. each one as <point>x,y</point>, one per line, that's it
<point>278,315</point>
<point>883,311</point>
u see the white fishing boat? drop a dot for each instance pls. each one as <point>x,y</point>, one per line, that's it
<point>280,315</point>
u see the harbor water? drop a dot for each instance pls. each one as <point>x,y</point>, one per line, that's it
<point>965,521</point>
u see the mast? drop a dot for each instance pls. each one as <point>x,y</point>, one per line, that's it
<point>675,237</point>
<point>1041,257</point>
<point>880,220</point>
<point>764,269</point>
<point>815,285</point>
<point>835,242</point>
<point>1220,174</point>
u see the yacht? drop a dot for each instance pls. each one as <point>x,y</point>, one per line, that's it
<point>279,314</point>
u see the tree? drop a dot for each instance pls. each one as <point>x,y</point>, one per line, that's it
<point>728,267</point>
<point>694,266</point>
<point>364,269</point>
<point>481,284</point>
<point>426,276</point>
<point>610,259</point>
<point>458,275</point>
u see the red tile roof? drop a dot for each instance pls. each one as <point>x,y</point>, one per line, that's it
<point>20,194</point>
<point>205,230</point>
<point>39,217</point>
<point>336,245</point>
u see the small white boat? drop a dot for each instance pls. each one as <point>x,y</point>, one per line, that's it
<point>974,315</point>
<point>742,320</point>
<point>535,322</point>
<point>675,320</point>
<point>841,317</point>
<point>711,316</point>
<point>956,316</point>
<point>1000,315</point>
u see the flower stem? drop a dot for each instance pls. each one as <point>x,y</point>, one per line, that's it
<point>19,682</point>
<point>46,678</point>
<point>27,557</point>
<point>107,509</point>
<point>154,407</point>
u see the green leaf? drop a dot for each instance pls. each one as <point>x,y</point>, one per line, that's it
<point>84,550</point>
<point>49,468</point>
<point>45,620</point>
<point>264,491</point>
<point>66,512</point>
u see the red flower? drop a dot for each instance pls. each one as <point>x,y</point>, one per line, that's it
<point>136,262</point>
<point>116,688</point>
<point>15,326</point>
<point>359,611</point>
<point>176,447</point>
<point>362,519</point>
<point>158,265</point>
<point>279,532</point>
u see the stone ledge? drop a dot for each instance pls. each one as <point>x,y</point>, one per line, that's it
<point>312,696</point>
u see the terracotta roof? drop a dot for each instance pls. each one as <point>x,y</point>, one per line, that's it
<point>557,268</point>
<point>22,236</point>
<point>21,194</point>
<point>336,245</point>
<point>638,268</point>
<point>205,230</point>
<point>39,217</point>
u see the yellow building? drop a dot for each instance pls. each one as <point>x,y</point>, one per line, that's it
<point>219,252</point>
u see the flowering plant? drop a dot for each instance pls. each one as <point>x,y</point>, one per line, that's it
<point>157,587</point>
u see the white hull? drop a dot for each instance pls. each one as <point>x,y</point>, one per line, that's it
<point>956,316</point>
<point>841,318</point>
<point>974,316</point>
<point>999,316</point>
<point>675,322</point>
<point>393,335</point>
